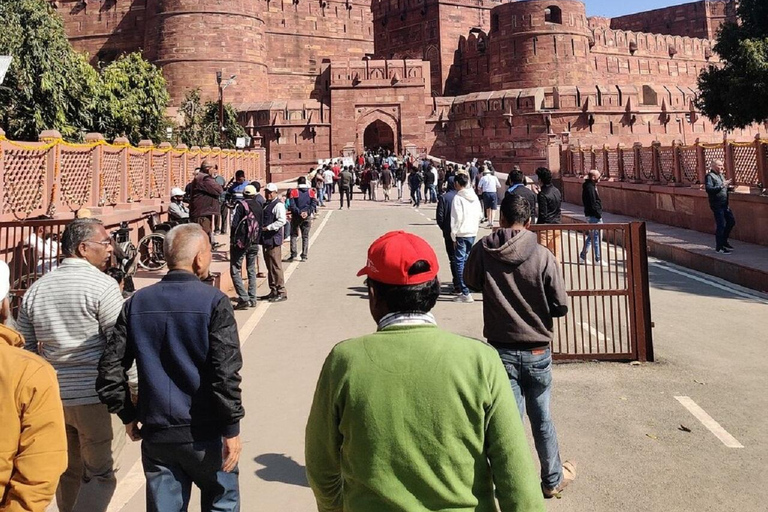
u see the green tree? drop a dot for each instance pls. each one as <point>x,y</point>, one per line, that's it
<point>200,125</point>
<point>735,92</point>
<point>49,85</point>
<point>133,100</point>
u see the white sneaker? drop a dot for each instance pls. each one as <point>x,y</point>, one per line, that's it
<point>466,299</point>
<point>601,263</point>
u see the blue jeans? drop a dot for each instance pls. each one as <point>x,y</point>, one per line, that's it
<point>432,193</point>
<point>328,191</point>
<point>451,250</point>
<point>463,247</point>
<point>320,195</point>
<point>236,256</point>
<point>530,374</point>
<point>592,237</point>
<point>416,196</point>
<point>725,221</point>
<point>172,468</point>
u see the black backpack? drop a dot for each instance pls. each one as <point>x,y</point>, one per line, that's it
<point>247,230</point>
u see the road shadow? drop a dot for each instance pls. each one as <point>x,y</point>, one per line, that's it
<point>280,468</point>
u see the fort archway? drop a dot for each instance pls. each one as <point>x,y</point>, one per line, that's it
<point>379,134</point>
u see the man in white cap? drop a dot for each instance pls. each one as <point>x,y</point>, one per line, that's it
<point>33,447</point>
<point>272,240</point>
<point>177,210</point>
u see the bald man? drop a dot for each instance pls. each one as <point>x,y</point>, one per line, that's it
<point>183,336</point>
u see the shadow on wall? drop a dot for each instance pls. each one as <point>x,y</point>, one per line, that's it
<point>280,468</point>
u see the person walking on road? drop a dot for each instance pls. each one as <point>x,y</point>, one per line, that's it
<point>443,219</point>
<point>67,316</point>
<point>303,206</point>
<point>275,219</point>
<point>188,357</point>
<point>386,181</point>
<point>549,200</point>
<point>717,188</point>
<point>488,188</point>
<point>33,447</point>
<point>328,179</point>
<point>385,435</point>
<point>220,221</point>
<point>346,184</point>
<point>465,223</point>
<point>414,182</point>
<point>373,184</point>
<point>516,186</point>
<point>523,290</point>
<point>593,210</point>
<point>204,194</point>
<point>247,218</point>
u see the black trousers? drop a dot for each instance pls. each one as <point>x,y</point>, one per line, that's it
<point>345,192</point>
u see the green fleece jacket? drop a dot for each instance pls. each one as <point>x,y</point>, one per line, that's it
<point>414,418</point>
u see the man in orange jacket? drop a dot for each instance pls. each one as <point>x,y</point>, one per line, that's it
<point>33,444</point>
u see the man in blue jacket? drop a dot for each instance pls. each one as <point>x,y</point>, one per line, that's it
<point>187,353</point>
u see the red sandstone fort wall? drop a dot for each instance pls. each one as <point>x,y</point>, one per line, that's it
<point>300,36</point>
<point>105,29</point>
<point>697,19</point>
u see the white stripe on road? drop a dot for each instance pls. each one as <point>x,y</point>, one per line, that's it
<point>711,282</point>
<point>709,422</point>
<point>128,486</point>
<point>594,332</point>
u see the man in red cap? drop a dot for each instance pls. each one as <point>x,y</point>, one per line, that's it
<point>413,417</point>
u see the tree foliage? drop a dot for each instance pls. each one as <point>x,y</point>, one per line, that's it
<point>735,92</point>
<point>51,86</point>
<point>133,100</point>
<point>200,125</point>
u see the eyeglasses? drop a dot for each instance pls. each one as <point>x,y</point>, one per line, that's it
<point>103,243</point>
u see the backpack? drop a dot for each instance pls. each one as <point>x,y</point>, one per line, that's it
<point>247,230</point>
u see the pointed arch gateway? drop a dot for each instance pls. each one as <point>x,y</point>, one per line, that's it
<point>378,128</point>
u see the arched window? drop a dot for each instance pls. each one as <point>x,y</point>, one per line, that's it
<point>553,14</point>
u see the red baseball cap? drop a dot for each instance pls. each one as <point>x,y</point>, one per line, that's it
<point>391,256</point>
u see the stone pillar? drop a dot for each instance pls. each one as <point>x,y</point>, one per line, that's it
<point>52,182</point>
<point>164,188</point>
<point>147,145</point>
<point>677,165</point>
<point>729,162</point>
<point>656,161</point>
<point>620,154</point>
<point>2,166</point>
<point>123,197</point>
<point>636,148</point>
<point>182,168</point>
<point>701,163</point>
<point>98,151</point>
<point>762,164</point>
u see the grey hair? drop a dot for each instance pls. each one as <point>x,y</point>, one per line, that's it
<point>77,232</point>
<point>715,162</point>
<point>182,244</point>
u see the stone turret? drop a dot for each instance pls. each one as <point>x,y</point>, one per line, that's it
<point>190,40</point>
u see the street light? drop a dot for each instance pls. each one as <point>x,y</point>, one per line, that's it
<point>222,86</point>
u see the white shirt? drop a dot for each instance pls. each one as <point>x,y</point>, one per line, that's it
<point>328,177</point>
<point>280,217</point>
<point>489,183</point>
<point>466,214</point>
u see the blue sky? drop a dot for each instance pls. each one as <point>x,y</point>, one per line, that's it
<point>611,8</point>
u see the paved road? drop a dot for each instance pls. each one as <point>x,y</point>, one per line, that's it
<point>619,422</point>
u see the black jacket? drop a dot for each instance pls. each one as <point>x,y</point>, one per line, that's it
<point>443,214</point>
<point>716,190</point>
<point>204,194</point>
<point>182,334</point>
<point>549,199</point>
<point>593,207</point>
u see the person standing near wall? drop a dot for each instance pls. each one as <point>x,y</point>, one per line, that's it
<point>550,201</point>
<point>593,210</point>
<point>717,188</point>
<point>204,194</point>
<point>275,219</point>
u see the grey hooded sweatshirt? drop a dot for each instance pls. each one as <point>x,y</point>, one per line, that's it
<point>522,286</point>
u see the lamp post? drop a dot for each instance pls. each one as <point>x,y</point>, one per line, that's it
<point>222,86</point>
